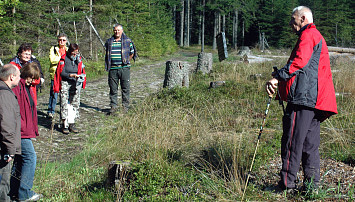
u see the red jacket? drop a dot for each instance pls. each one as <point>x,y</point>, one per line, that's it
<point>29,120</point>
<point>57,85</point>
<point>306,79</point>
<point>33,84</point>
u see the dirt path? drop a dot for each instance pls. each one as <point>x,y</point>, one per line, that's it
<point>55,146</point>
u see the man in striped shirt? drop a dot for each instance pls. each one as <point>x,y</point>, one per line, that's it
<point>120,50</point>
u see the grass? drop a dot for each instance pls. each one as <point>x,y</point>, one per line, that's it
<point>193,144</point>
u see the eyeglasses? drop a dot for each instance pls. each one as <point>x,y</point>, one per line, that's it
<point>26,54</point>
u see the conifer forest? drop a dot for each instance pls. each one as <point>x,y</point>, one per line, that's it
<point>158,27</point>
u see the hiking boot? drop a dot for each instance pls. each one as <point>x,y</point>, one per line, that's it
<point>277,189</point>
<point>73,129</point>
<point>65,130</point>
<point>113,110</point>
<point>50,115</point>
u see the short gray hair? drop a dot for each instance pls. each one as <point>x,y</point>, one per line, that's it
<point>303,10</point>
<point>7,70</point>
<point>62,35</point>
<point>117,25</point>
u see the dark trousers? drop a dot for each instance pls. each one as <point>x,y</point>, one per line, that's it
<point>5,170</point>
<point>300,141</point>
<point>119,76</point>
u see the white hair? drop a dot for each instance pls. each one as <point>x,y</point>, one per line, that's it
<point>303,10</point>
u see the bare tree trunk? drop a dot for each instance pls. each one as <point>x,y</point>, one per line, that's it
<point>75,30</point>
<point>90,35</point>
<point>214,45</point>
<point>14,29</point>
<point>182,23</point>
<point>203,27</point>
<point>235,29</point>
<point>224,23</point>
<point>199,27</point>
<point>187,23</point>
<point>219,22</point>
<point>39,49</point>
<point>174,21</point>
<point>59,26</point>
<point>243,34</point>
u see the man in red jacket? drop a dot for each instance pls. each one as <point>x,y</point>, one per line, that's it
<point>305,83</point>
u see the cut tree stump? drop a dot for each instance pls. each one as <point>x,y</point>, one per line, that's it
<point>204,62</point>
<point>176,74</point>
<point>119,174</point>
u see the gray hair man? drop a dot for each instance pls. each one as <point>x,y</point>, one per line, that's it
<point>10,124</point>
<point>305,83</point>
<point>120,50</point>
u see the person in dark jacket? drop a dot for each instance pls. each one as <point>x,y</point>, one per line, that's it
<point>10,124</point>
<point>69,79</point>
<point>24,56</point>
<point>24,166</point>
<point>305,83</point>
<point>120,50</point>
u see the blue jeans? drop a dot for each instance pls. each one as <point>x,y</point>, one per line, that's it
<point>52,99</point>
<point>23,172</point>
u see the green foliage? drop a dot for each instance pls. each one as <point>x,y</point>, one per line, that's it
<point>160,181</point>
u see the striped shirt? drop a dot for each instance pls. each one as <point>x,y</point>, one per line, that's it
<point>116,54</point>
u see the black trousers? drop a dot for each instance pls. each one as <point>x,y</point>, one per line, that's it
<point>300,142</point>
<point>115,77</point>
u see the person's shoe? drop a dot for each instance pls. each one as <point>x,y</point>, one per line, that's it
<point>113,110</point>
<point>35,197</point>
<point>50,115</point>
<point>73,129</point>
<point>65,130</point>
<point>277,189</point>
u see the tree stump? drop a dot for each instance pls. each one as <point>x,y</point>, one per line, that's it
<point>204,62</point>
<point>119,174</point>
<point>176,74</point>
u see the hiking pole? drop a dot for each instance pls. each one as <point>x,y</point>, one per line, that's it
<point>257,144</point>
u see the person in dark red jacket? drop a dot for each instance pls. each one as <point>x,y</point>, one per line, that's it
<point>24,56</point>
<point>306,84</point>
<point>24,166</point>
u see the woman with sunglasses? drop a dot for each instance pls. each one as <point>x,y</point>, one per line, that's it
<point>55,53</point>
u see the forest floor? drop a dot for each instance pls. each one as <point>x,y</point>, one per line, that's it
<point>54,146</point>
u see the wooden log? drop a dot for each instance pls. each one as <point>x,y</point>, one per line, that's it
<point>176,74</point>
<point>341,49</point>
<point>215,84</point>
<point>204,62</point>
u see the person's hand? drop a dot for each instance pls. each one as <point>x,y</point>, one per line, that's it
<point>74,76</point>
<point>9,159</point>
<point>270,86</point>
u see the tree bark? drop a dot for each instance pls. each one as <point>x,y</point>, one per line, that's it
<point>203,27</point>
<point>214,45</point>
<point>90,35</point>
<point>182,23</point>
<point>235,29</point>
<point>14,29</point>
<point>187,24</point>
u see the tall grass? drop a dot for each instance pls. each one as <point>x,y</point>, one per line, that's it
<point>190,143</point>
